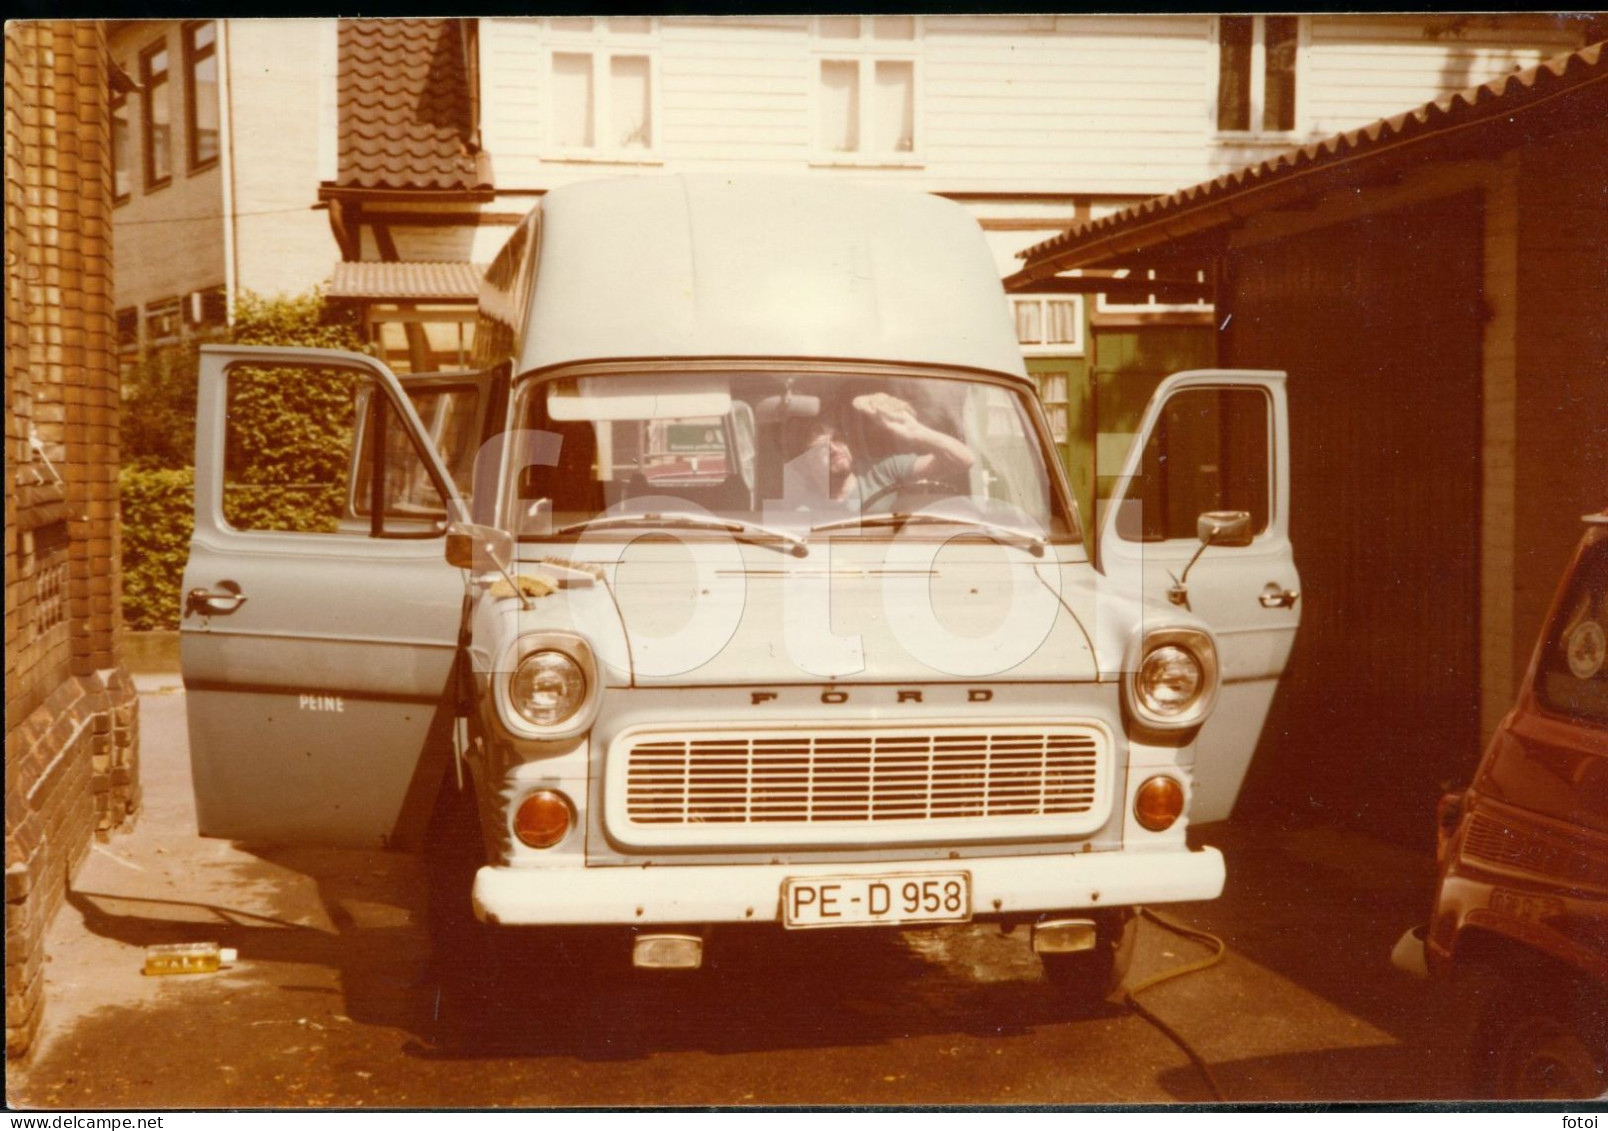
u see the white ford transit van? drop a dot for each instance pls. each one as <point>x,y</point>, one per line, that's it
<point>742,585</point>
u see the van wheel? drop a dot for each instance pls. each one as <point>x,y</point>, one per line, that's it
<point>1087,979</point>
<point>1545,1058</point>
<point>1532,1045</point>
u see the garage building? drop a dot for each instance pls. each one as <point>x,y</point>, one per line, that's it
<point>1436,285</point>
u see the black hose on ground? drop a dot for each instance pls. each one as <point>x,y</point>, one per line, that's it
<point>1219,949</point>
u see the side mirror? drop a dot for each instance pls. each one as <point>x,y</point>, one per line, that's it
<point>479,548</point>
<point>471,546</point>
<point>1224,528</point>
<point>1214,528</point>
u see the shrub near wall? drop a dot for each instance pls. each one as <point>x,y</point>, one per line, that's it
<point>157,481</point>
<point>158,515</point>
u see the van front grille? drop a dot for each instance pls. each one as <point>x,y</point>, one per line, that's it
<point>820,781</point>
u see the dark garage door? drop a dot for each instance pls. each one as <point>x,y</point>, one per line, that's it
<point>1378,322</point>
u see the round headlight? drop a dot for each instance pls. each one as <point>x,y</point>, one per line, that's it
<point>1170,680</point>
<point>547,688</point>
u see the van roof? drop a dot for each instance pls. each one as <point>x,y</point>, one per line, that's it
<point>686,266</point>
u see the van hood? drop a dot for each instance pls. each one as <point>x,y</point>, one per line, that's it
<point>859,611</point>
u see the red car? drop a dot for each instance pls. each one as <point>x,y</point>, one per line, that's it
<point>1520,923</point>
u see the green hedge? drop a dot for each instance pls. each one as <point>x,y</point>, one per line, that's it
<point>158,514</point>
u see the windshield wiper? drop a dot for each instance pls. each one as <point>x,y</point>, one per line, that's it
<point>1009,535</point>
<point>743,531</point>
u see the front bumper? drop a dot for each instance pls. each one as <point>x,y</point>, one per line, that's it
<point>751,893</point>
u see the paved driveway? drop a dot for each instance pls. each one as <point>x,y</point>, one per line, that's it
<point>335,1002</point>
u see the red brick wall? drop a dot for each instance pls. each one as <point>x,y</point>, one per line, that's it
<point>71,712</point>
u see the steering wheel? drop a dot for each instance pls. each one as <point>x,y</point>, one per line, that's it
<point>903,485</point>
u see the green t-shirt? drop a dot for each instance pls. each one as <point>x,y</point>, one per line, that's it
<point>880,476</point>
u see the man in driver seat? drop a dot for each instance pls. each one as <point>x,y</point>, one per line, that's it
<point>922,455</point>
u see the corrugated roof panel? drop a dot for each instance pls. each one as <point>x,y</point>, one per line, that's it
<point>413,282</point>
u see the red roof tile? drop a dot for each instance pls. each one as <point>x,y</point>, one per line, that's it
<point>406,112</point>
<point>414,282</point>
<point>1491,103</point>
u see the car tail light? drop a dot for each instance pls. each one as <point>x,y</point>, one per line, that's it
<point>1159,802</point>
<point>543,819</point>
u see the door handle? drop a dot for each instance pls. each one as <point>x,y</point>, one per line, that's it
<point>1275,596</point>
<point>214,603</point>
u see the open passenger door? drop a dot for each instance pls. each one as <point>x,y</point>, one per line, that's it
<point>320,616</point>
<point>1215,441</point>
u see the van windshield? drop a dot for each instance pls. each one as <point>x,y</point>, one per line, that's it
<point>789,450</point>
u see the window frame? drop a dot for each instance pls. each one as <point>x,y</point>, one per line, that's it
<point>129,317</point>
<point>1044,348</point>
<point>119,103</point>
<point>1269,519</point>
<point>126,345</point>
<point>1104,305</point>
<point>202,301</point>
<point>193,57</point>
<point>1063,437</point>
<point>866,51</point>
<point>172,306</point>
<point>1258,80</point>
<point>149,84</point>
<point>374,407</point>
<point>602,44</point>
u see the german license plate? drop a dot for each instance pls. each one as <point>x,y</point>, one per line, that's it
<point>868,901</point>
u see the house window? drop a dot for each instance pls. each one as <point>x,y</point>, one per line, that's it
<point>603,87</point>
<point>122,168</point>
<point>128,341</point>
<point>1054,390</point>
<point>1256,73</point>
<point>1153,304</point>
<point>158,118</point>
<point>201,92</point>
<point>162,322</point>
<point>206,312</point>
<point>1050,325</point>
<point>866,83</point>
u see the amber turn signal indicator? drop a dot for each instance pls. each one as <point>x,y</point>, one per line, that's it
<point>1159,802</point>
<point>542,819</point>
